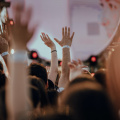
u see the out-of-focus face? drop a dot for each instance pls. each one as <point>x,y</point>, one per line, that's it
<point>110,15</point>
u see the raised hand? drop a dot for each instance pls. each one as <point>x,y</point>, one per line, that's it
<point>46,39</point>
<point>20,32</point>
<point>76,69</point>
<point>66,38</point>
<point>52,71</point>
<point>3,45</point>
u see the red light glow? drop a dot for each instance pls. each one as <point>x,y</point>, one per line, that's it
<point>92,74</point>
<point>61,63</point>
<point>93,59</point>
<point>11,22</point>
<point>34,55</point>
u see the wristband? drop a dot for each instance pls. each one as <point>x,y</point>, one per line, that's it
<point>54,51</point>
<point>66,46</point>
<point>19,56</point>
<point>4,53</point>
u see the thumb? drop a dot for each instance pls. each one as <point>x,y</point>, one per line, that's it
<point>57,40</point>
<point>72,36</point>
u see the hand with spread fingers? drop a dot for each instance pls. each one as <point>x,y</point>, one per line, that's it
<point>66,38</point>
<point>3,45</point>
<point>76,69</point>
<point>46,39</point>
<point>20,33</point>
<point>52,74</point>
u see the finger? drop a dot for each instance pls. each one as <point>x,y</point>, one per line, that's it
<point>72,36</point>
<point>71,66</point>
<point>17,10</point>
<point>69,32</point>
<point>48,37</point>
<point>28,13</point>
<point>42,38</point>
<point>57,40</point>
<point>79,61</point>
<point>63,31</point>
<point>75,62</point>
<point>66,31</point>
<point>27,16</point>
<point>84,66</point>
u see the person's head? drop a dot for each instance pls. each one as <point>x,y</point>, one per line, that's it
<point>100,77</point>
<point>87,101</point>
<point>50,85</point>
<point>110,15</point>
<point>113,76</point>
<point>52,96</point>
<point>82,78</point>
<point>38,70</point>
<point>37,92</point>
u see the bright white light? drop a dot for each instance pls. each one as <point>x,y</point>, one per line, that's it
<point>113,50</point>
<point>12,51</point>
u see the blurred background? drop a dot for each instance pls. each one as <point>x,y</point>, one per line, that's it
<point>93,21</point>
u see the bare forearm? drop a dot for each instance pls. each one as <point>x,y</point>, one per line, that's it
<point>6,60</point>
<point>64,79</point>
<point>54,65</point>
<point>18,86</point>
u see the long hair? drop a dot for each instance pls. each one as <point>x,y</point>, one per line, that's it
<point>113,76</point>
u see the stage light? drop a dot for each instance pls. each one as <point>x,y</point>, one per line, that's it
<point>93,59</point>
<point>59,63</point>
<point>34,55</point>
<point>11,22</point>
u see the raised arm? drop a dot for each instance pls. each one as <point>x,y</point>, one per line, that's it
<point>65,43</point>
<point>77,69</point>
<point>4,49</point>
<point>21,36</point>
<point>54,61</point>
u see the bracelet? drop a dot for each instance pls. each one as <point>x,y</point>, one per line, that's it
<point>19,56</point>
<point>4,53</point>
<point>66,46</point>
<point>54,51</point>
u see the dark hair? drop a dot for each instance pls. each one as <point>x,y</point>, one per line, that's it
<point>50,85</point>
<point>100,77</point>
<point>37,69</point>
<point>88,102</point>
<point>2,79</point>
<point>38,94</point>
<point>1,66</point>
<point>52,96</point>
<point>34,96</point>
<point>55,116</point>
<point>80,79</point>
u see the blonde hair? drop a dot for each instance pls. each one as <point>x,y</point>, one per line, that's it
<point>113,76</point>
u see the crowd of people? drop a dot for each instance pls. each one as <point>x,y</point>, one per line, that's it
<point>28,92</point>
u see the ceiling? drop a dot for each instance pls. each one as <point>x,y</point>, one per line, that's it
<point>84,18</point>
